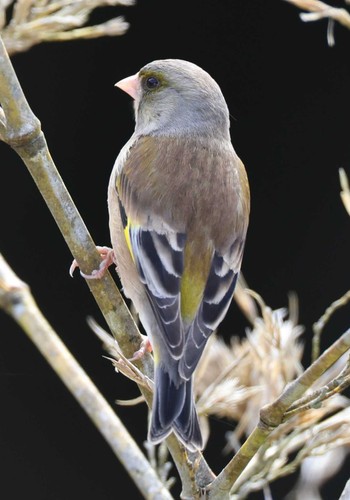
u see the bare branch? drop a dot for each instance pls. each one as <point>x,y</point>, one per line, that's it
<point>314,400</point>
<point>17,301</point>
<point>319,325</point>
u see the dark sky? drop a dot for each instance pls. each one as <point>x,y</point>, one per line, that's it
<point>288,94</point>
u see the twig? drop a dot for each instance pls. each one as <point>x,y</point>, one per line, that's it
<point>319,10</point>
<point>319,325</point>
<point>314,400</point>
<point>17,301</point>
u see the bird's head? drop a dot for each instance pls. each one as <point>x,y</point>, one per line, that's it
<point>176,97</point>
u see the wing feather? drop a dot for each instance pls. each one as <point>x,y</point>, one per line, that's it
<point>160,262</point>
<point>160,266</point>
<point>217,297</point>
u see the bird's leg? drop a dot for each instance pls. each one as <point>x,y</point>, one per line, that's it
<point>144,347</point>
<point>108,259</point>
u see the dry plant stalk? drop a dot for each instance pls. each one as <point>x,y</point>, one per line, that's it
<point>34,21</point>
<point>345,190</point>
<point>317,10</point>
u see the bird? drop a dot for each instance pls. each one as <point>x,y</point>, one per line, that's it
<point>178,203</point>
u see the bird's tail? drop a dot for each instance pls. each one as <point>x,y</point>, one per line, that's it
<point>174,410</point>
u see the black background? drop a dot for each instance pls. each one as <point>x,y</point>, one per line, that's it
<point>288,94</point>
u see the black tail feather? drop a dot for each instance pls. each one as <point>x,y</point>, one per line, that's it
<point>174,409</point>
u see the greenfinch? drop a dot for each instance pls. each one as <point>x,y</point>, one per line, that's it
<point>178,202</point>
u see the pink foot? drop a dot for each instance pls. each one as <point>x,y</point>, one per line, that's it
<point>145,347</point>
<point>108,259</point>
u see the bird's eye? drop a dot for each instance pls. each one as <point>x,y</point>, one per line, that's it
<point>152,82</point>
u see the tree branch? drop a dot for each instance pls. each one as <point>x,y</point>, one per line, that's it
<point>272,415</point>
<point>17,301</point>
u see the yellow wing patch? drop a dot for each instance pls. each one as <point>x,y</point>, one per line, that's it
<point>127,238</point>
<point>194,278</point>
<point>127,224</point>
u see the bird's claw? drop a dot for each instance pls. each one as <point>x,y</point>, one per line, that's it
<point>144,347</point>
<point>108,259</point>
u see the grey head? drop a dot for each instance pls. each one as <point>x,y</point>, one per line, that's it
<point>177,97</point>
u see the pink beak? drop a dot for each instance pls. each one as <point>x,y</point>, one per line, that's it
<point>130,85</point>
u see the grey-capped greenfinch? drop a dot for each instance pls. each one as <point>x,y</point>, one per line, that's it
<point>178,202</point>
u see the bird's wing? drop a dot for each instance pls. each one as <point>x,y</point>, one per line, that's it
<point>217,296</point>
<point>188,280</point>
<point>159,258</point>
<point>189,304</point>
